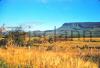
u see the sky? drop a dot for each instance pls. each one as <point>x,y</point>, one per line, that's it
<point>45,14</point>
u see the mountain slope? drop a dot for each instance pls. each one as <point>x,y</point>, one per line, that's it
<point>93,27</point>
<point>77,28</point>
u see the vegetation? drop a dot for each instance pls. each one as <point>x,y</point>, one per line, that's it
<point>20,51</point>
<point>55,55</point>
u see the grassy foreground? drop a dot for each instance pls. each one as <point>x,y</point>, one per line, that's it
<point>39,57</point>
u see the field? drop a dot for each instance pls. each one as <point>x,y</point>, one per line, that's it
<point>60,54</point>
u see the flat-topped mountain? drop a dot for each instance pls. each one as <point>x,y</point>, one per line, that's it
<point>83,24</point>
<point>93,27</point>
<point>80,25</point>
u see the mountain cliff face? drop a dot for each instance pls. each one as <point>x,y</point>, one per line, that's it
<point>77,28</point>
<point>80,25</point>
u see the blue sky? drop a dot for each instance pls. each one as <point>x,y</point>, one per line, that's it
<point>45,14</point>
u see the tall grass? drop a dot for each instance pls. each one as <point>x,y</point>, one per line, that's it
<point>23,57</point>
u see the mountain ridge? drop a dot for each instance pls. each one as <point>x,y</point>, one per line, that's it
<point>93,27</point>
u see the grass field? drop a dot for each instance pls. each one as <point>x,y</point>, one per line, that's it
<point>61,54</point>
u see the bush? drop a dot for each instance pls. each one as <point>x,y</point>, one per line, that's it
<point>3,64</point>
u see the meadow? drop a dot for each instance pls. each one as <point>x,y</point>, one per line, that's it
<point>60,54</point>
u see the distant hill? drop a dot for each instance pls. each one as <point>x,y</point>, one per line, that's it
<point>80,25</point>
<point>93,27</point>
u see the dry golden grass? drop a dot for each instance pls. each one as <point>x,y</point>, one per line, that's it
<point>36,59</point>
<point>61,55</point>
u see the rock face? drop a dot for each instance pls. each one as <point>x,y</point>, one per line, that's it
<point>80,25</point>
<point>77,28</point>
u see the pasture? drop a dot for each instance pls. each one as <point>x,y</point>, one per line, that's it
<point>60,54</point>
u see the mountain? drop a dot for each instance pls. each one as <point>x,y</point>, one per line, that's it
<point>80,25</point>
<point>78,28</point>
<point>90,28</point>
